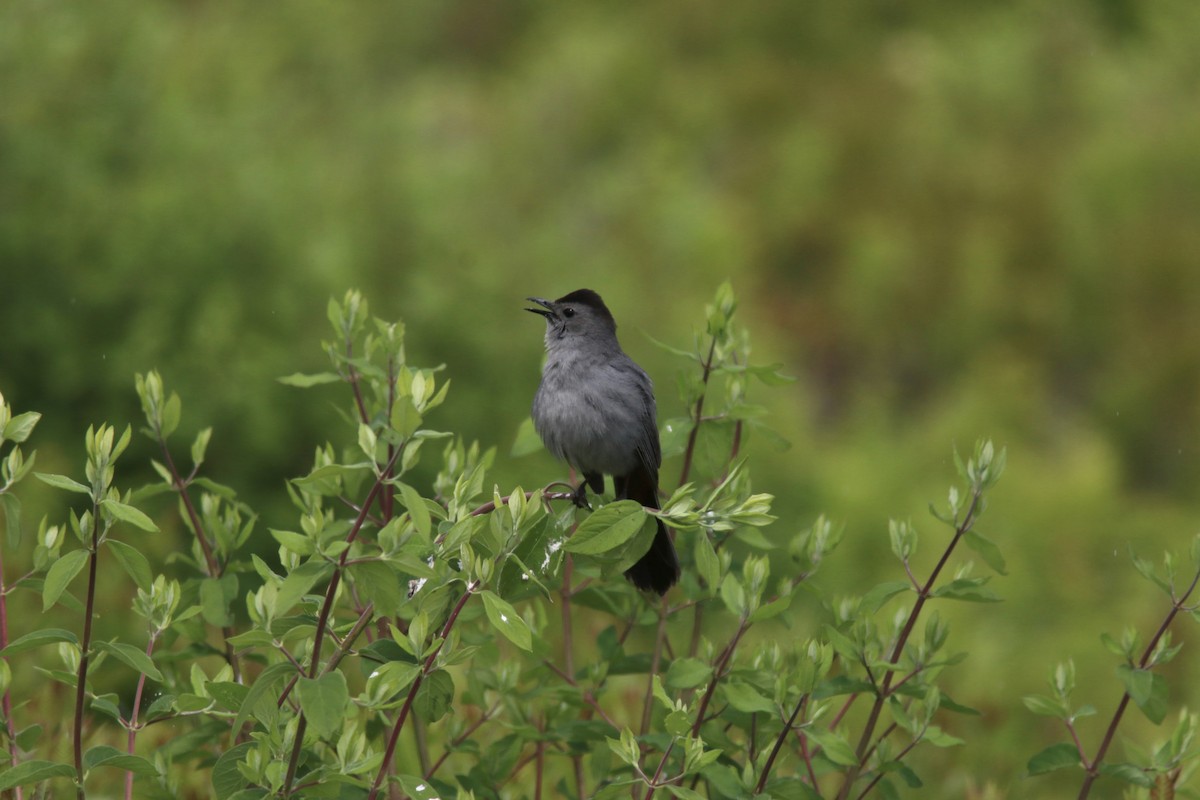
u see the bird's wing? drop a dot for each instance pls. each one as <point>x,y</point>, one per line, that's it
<point>649,450</point>
<point>649,447</point>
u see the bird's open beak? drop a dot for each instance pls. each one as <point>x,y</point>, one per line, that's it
<point>546,310</point>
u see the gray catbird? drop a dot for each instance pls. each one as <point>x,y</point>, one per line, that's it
<point>595,410</point>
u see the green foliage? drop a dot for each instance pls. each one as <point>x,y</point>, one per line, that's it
<point>405,606</point>
<point>408,605</point>
<point>1168,766</point>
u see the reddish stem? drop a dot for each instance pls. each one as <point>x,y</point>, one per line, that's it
<point>10,726</point>
<point>84,648</point>
<point>1093,769</point>
<point>412,692</point>
<point>779,740</point>
<point>718,671</point>
<point>133,717</point>
<point>885,687</point>
<point>698,414</point>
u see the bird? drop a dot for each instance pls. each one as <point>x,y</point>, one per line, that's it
<point>594,409</point>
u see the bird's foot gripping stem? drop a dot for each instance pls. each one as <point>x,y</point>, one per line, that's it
<point>579,496</point>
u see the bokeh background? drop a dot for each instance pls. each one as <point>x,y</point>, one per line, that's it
<point>947,219</point>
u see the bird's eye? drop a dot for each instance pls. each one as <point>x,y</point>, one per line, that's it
<point>568,312</point>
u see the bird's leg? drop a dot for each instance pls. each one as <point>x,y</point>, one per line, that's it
<point>593,479</point>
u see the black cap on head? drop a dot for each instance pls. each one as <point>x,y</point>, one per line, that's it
<point>586,297</point>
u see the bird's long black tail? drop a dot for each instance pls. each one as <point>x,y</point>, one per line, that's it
<point>658,570</point>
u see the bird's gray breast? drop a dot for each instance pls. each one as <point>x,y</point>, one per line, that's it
<point>591,414</point>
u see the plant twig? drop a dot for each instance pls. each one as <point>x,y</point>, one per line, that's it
<point>718,672</point>
<point>85,647</point>
<point>1093,769</point>
<point>779,740</point>
<point>10,726</point>
<point>326,612</point>
<point>412,691</point>
<point>131,740</point>
<point>213,567</point>
<point>660,633</point>
<point>569,655</point>
<point>698,413</point>
<point>588,697</point>
<point>885,686</point>
<point>462,737</point>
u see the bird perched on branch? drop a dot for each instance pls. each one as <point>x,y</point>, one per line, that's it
<point>595,410</point>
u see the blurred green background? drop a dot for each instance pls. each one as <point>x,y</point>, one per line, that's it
<point>947,219</point>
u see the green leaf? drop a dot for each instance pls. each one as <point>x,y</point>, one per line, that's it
<point>393,677</point>
<point>12,519</point>
<point>987,550</point>
<point>734,595</point>
<point>435,696</point>
<point>216,596</point>
<point>127,513</point>
<point>170,415</point>
<point>378,583</point>
<point>200,446</point>
<point>880,593</point>
<point>60,575</point>
<point>329,472</point>
<point>939,738</point>
<point>1137,682</point>
<point>405,417</point>
<point>229,694</point>
<point>27,738</point>
<point>297,543</point>
<point>771,609</point>
<point>104,755</point>
<point>323,701</point>
<point>418,788</point>
<point>632,551</point>
<point>105,704</point>
<point>28,772</point>
<point>133,657</point>
<point>836,748</point>
<point>227,779</point>
<point>264,685</point>
<point>505,619</point>
<point>537,555</point>
<point>134,563</point>
<point>527,440</point>
<point>255,637</point>
<point>970,589</point>
<point>677,723</point>
<point>724,779</point>
<point>746,698</point>
<point>62,482</point>
<point>708,566</point>
<point>19,427</point>
<point>688,673</point>
<point>1045,706</point>
<point>790,789</point>
<point>1130,773</point>
<point>417,510</point>
<point>1148,690</point>
<point>298,582</point>
<point>303,381</point>
<point>1115,647</point>
<point>39,638</point>
<point>1056,756</point>
<point>843,645</point>
<point>607,529</point>
<point>219,489</point>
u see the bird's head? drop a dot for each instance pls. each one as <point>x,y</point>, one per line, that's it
<point>580,315</point>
